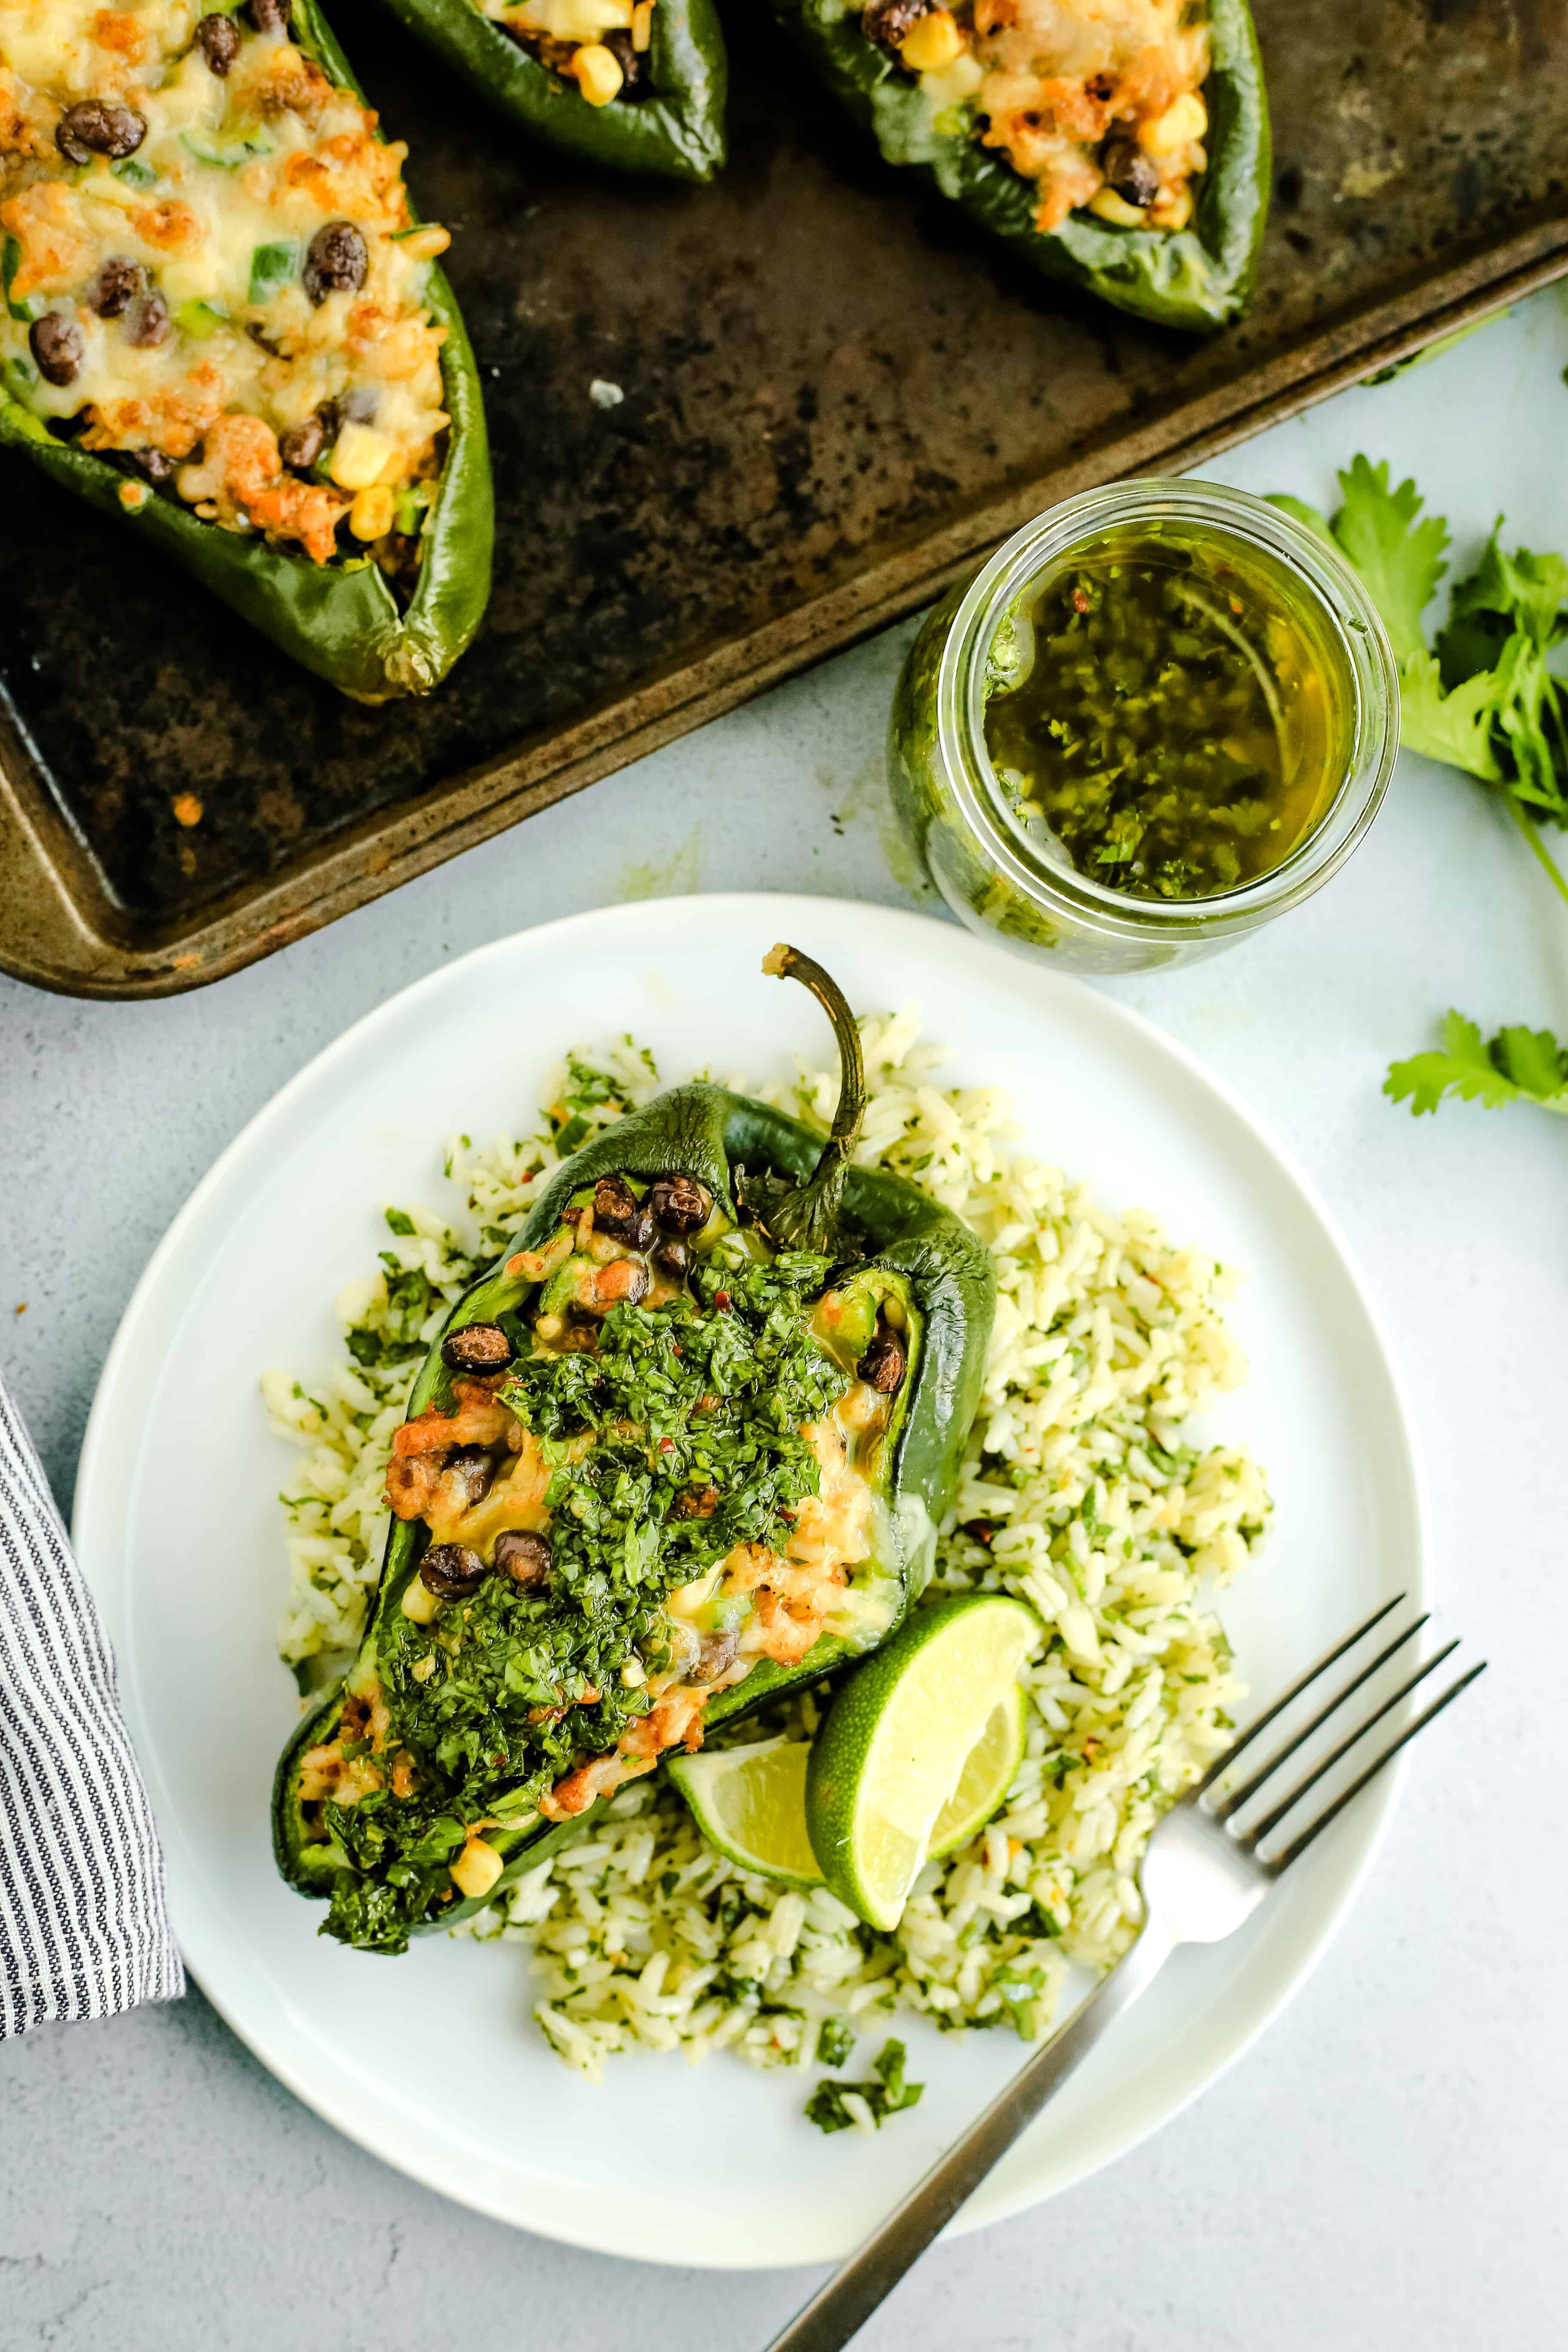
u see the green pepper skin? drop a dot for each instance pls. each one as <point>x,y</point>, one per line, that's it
<point>938,1262</point>
<point>1196,279</point>
<point>676,132</point>
<point>343,624</point>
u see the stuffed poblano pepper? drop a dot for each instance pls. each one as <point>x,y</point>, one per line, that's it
<point>683,1448</point>
<point>222,323</point>
<point>1119,144</point>
<point>636,85</point>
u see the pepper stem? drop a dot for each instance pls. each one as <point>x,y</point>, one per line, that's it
<point>807,1216</point>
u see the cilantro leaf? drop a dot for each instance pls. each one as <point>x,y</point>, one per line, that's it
<point>1401,559</point>
<point>1518,1066</point>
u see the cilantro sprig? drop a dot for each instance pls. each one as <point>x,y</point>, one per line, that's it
<point>1516,1066</point>
<point>1481,698</point>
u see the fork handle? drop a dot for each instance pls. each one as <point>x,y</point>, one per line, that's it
<point>839,2310</point>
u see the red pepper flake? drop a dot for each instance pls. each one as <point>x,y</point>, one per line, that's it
<point>666,1444</point>
<point>722,1299</point>
<point>1080,600</point>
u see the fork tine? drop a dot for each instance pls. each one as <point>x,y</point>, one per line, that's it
<point>1249,1789</point>
<point>1328,1659</point>
<point>1298,1845</point>
<point>1250,1838</point>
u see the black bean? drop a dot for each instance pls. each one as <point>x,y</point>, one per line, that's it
<point>671,1257</point>
<point>716,1656</point>
<point>452,1571</point>
<point>336,262</point>
<point>476,1468</point>
<point>57,347</point>
<point>96,128</point>
<point>681,1203</point>
<point>633,62</point>
<point>882,1365</point>
<point>147,321</point>
<point>480,1347</point>
<point>154,466</point>
<point>618,1212</point>
<point>299,448</point>
<point>270,15</point>
<point>217,37</point>
<point>118,282</point>
<point>889,22</point>
<point>1129,171</point>
<point>525,1557</point>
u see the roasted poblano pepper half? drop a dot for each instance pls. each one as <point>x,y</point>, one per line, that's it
<point>1197,277</point>
<point>341,619</point>
<point>669,122</point>
<point>685,1447</point>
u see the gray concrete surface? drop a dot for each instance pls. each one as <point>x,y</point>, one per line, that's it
<point>1387,2168</point>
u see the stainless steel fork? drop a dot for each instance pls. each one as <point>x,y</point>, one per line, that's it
<point>1203,1874</point>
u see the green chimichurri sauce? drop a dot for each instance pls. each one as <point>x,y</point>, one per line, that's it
<point>1166,711</point>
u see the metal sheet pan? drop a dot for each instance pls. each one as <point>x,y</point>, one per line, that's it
<point>835,400</point>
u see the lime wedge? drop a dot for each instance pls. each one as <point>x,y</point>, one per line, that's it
<point>750,1803</point>
<point>988,1773</point>
<point>892,1754</point>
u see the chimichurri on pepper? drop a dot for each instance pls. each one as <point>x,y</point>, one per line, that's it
<point>1167,714</point>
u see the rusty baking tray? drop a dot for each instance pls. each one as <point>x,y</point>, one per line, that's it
<point>836,399</point>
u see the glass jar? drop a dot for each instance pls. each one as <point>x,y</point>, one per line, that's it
<point>999,875</point>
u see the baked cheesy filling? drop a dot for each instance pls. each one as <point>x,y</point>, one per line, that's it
<point>601,45</point>
<point>669,1475</point>
<point>1095,101</point>
<point>210,274</point>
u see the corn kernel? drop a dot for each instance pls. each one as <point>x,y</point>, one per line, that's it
<point>418,1601</point>
<point>933,42</point>
<point>1185,119</point>
<point>425,243</point>
<point>370,517</point>
<point>642,25</point>
<point>359,455</point>
<point>1107,205</point>
<point>598,72</point>
<point>1171,212</point>
<point>477,1868</point>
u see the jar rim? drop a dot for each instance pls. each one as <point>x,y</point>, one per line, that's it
<point>1344,603</point>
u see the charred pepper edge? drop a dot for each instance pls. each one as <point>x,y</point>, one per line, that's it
<point>344,625</point>
<point>706,1131</point>
<point>676,132</point>
<point>1196,279</point>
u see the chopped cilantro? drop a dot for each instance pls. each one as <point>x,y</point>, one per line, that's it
<point>834,2041</point>
<point>885,2095</point>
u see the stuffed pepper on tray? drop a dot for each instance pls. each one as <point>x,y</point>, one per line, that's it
<point>221,321</point>
<point>685,1446</point>
<point>1119,144</point>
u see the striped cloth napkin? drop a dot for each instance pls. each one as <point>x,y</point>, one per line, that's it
<point>82,1927</point>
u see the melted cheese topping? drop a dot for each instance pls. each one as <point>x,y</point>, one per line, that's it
<point>570,37</point>
<point>218,207</point>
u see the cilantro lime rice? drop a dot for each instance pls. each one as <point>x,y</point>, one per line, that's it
<point>1079,1494</point>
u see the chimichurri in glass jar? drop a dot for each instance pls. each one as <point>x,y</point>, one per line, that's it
<point>1160,715</point>
<point>1166,711</point>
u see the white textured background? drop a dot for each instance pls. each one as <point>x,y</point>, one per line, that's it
<point>1389,2168</point>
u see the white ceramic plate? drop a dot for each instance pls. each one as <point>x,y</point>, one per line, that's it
<point>432,2060</point>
